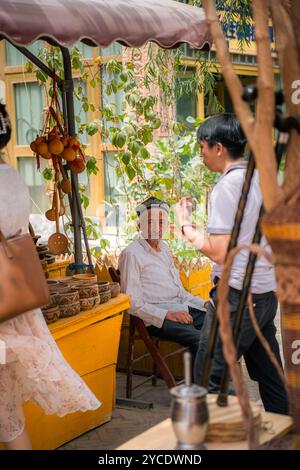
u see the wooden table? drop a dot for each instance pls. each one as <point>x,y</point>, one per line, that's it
<point>162,437</point>
<point>89,341</point>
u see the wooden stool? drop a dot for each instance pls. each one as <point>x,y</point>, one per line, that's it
<point>138,330</point>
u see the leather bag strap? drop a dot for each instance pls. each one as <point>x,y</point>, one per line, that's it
<point>5,246</point>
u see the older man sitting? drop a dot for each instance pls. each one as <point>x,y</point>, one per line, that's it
<point>149,276</point>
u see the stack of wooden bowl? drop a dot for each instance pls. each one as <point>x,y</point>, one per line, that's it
<point>67,299</point>
<point>114,289</point>
<point>64,297</point>
<point>42,251</point>
<point>104,291</point>
<point>86,284</point>
<point>72,294</point>
<point>51,311</point>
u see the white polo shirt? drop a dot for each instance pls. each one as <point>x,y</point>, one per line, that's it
<point>222,208</point>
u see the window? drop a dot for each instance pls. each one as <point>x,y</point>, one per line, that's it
<point>79,111</point>
<point>112,100</point>
<point>35,182</point>
<point>115,200</point>
<point>85,50</point>
<point>113,49</point>
<point>243,59</point>
<point>186,104</point>
<point>15,57</point>
<point>29,109</point>
<point>187,50</point>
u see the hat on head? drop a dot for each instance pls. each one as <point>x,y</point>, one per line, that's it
<point>5,127</point>
<point>152,203</point>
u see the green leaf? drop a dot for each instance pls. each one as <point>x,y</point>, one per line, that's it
<point>134,147</point>
<point>168,183</point>
<point>92,107</point>
<point>132,99</point>
<point>130,171</point>
<point>93,83</point>
<point>120,140</point>
<point>88,230</point>
<point>155,123</point>
<point>29,67</point>
<point>78,119</point>
<point>123,77</point>
<point>104,243</point>
<point>92,128</point>
<point>147,135</point>
<point>85,107</point>
<point>144,153</point>
<point>126,158</point>
<point>91,166</point>
<point>109,90</point>
<point>85,202</point>
<point>114,139</point>
<point>41,76</point>
<point>48,174</point>
<point>76,64</point>
<point>114,86</point>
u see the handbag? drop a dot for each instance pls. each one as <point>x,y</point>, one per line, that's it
<point>23,285</point>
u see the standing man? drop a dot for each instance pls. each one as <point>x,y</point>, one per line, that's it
<point>222,147</point>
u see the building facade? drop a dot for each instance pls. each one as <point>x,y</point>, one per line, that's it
<point>26,102</point>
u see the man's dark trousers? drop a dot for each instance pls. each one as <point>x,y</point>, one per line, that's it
<point>186,335</point>
<point>259,367</point>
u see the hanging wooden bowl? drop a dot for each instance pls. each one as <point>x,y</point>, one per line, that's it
<point>65,183</point>
<point>51,213</point>
<point>58,243</point>
<point>62,209</point>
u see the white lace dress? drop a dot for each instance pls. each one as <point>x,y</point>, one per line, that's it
<point>35,369</point>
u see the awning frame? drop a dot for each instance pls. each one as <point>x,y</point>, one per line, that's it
<point>66,87</point>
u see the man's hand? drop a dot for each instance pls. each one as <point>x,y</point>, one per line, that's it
<point>183,211</point>
<point>179,317</point>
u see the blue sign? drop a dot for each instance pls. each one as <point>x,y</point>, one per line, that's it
<point>235,31</point>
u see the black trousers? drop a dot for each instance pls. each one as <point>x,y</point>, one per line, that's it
<point>259,367</point>
<point>186,335</point>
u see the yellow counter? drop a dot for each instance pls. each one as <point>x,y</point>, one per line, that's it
<point>89,341</point>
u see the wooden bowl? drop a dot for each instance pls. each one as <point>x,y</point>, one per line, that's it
<point>51,314</point>
<point>49,258</point>
<point>69,310</point>
<point>105,296</point>
<point>86,290</point>
<point>103,286</point>
<point>85,277</point>
<point>89,303</point>
<point>67,297</point>
<point>52,282</point>
<point>114,289</point>
<point>60,289</point>
<point>35,238</point>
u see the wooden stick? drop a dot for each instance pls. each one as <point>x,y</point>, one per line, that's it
<point>265,114</point>
<point>288,48</point>
<point>265,162</point>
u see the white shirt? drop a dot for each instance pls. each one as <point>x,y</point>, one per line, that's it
<point>222,208</point>
<point>153,282</point>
